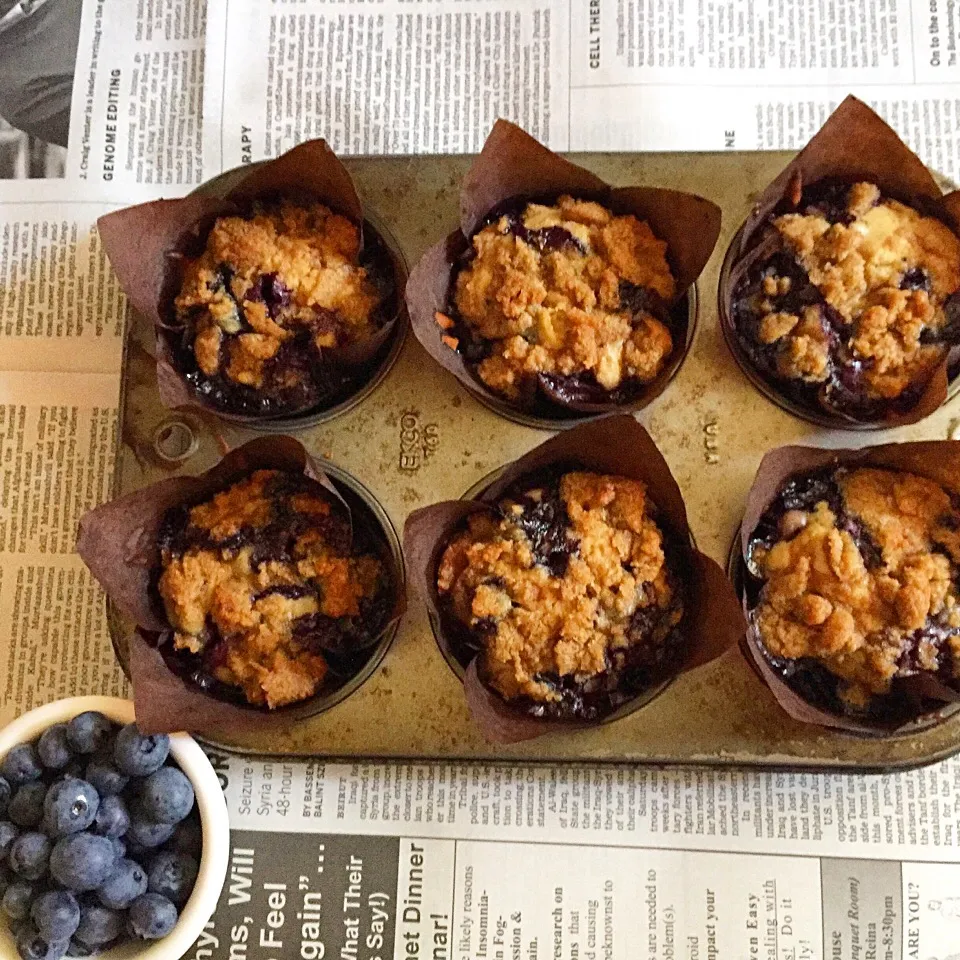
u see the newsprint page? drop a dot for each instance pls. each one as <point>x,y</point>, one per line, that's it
<point>446,862</point>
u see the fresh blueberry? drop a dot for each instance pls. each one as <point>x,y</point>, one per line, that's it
<point>173,875</point>
<point>166,796</point>
<point>82,861</point>
<point>30,855</point>
<point>70,806</point>
<point>5,791</point>
<point>119,847</point>
<point>32,946</point>
<point>88,732</point>
<point>98,925</point>
<point>129,881</point>
<point>152,916</point>
<point>188,837</point>
<point>137,755</point>
<point>17,899</point>
<point>78,949</point>
<point>6,878</point>
<point>52,747</point>
<point>8,833</point>
<point>108,780</point>
<point>143,834</point>
<point>112,819</point>
<point>21,765</point>
<point>56,914</point>
<point>26,807</point>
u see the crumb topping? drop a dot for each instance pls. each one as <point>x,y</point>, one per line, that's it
<point>546,288</point>
<point>884,272</point>
<point>287,274</point>
<point>866,586</point>
<point>250,577</point>
<point>560,582</point>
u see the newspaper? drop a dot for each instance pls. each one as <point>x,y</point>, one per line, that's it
<point>478,862</point>
<point>394,76</point>
<point>446,862</point>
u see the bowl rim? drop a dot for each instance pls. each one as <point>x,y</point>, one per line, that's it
<point>211,805</point>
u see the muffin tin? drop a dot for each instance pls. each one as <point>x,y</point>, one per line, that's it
<point>420,438</point>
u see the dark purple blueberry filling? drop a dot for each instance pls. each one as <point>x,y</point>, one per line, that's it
<point>301,376</point>
<point>657,648</point>
<point>809,677</point>
<point>346,643</point>
<point>844,390</point>
<point>550,394</point>
<point>545,524</point>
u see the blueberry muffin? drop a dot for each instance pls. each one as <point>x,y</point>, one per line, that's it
<point>271,596</point>
<point>263,311</point>
<point>850,301</point>
<point>565,300</point>
<point>569,592</point>
<point>853,588</point>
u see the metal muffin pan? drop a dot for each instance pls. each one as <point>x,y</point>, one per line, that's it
<point>420,437</point>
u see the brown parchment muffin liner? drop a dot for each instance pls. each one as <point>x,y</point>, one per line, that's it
<point>712,621</point>
<point>514,166</point>
<point>937,460</point>
<point>118,541</point>
<point>855,144</point>
<point>147,244</point>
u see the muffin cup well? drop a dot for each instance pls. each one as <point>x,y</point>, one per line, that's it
<point>512,167</point>
<point>937,460</point>
<point>146,245</point>
<point>712,621</point>
<point>119,543</point>
<point>855,144</point>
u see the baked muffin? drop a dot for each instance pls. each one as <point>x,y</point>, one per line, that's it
<point>570,593</point>
<point>271,596</point>
<point>852,589</point>
<point>563,301</point>
<point>274,299</point>
<point>849,301</point>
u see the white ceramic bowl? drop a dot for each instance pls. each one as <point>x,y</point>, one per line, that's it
<point>213,821</point>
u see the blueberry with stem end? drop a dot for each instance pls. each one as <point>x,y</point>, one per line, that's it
<point>26,806</point>
<point>8,833</point>
<point>128,881</point>
<point>30,855</point>
<point>112,819</point>
<point>152,917</point>
<point>52,747</point>
<point>105,777</point>
<point>21,765</point>
<point>70,806</point>
<point>32,946</point>
<point>56,914</point>
<point>137,755</point>
<point>143,834</point>
<point>17,899</point>
<point>166,796</point>
<point>98,925</point>
<point>88,732</point>
<point>173,875</point>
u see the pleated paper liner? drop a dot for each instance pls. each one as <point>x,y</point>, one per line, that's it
<point>118,542</point>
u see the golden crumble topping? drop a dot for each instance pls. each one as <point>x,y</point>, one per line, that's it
<point>544,288</point>
<point>251,575</point>
<point>885,269</point>
<point>287,272</point>
<point>866,586</point>
<point>559,581</point>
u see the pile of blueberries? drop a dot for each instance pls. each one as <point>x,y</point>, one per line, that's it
<point>99,839</point>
